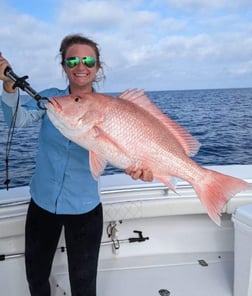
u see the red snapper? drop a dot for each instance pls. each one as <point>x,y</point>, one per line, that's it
<point>131,130</point>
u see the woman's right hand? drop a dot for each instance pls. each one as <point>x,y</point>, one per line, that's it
<point>7,82</point>
<point>3,64</point>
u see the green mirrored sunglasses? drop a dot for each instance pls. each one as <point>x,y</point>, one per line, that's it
<point>88,61</point>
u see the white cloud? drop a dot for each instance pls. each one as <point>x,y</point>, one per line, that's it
<point>142,44</point>
<point>242,69</point>
<point>206,5</point>
<point>92,14</point>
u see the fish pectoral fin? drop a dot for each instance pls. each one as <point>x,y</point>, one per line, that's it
<point>104,138</point>
<point>97,164</point>
<point>92,118</point>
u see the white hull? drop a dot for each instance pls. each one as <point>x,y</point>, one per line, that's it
<point>182,239</point>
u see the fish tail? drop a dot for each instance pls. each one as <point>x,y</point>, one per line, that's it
<point>215,189</point>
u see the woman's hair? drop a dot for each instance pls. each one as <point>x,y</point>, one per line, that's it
<point>72,39</point>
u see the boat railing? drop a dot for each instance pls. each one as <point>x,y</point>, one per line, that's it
<point>124,198</point>
<point>14,203</point>
<point>108,192</point>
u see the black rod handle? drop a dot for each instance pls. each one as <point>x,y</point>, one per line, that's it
<point>24,85</point>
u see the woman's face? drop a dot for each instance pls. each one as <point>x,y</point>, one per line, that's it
<point>80,76</point>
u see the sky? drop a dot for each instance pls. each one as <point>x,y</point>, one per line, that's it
<point>145,44</point>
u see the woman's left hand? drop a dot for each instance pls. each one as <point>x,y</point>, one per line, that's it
<point>143,174</point>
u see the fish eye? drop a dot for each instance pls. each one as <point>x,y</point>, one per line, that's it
<point>76,99</point>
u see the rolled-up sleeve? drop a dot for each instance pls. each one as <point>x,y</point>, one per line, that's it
<point>24,116</point>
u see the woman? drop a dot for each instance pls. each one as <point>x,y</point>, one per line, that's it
<point>63,191</point>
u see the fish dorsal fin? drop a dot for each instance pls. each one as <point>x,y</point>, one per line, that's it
<point>187,141</point>
<point>138,97</point>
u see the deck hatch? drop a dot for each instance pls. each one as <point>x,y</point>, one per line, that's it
<point>164,292</point>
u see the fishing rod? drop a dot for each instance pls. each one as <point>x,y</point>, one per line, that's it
<point>19,82</point>
<point>25,86</point>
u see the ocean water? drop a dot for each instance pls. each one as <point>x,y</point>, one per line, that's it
<point>220,119</point>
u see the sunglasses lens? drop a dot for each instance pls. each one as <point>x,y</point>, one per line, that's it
<point>89,61</point>
<point>72,62</point>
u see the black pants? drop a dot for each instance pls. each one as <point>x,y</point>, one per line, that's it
<point>83,237</point>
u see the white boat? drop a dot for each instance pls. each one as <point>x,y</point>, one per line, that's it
<point>155,242</point>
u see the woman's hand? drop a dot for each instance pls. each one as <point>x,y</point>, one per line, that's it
<point>3,64</point>
<point>7,82</point>
<point>143,174</point>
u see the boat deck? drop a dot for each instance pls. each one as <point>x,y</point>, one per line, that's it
<point>199,274</point>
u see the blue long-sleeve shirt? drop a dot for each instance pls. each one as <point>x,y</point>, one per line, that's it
<point>62,182</point>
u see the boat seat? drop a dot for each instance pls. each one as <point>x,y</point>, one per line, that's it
<point>165,207</point>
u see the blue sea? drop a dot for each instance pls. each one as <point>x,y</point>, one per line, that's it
<point>221,119</point>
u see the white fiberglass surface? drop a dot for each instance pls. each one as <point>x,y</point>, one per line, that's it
<point>178,275</point>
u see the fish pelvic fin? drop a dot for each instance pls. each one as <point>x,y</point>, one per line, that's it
<point>97,164</point>
<point>97,158</point>
<point>189,144</point>
<point>215,189</point>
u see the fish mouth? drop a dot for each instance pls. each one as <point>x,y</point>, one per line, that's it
<point>56,105</point>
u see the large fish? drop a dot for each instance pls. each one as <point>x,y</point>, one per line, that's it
<point>131,131</point>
